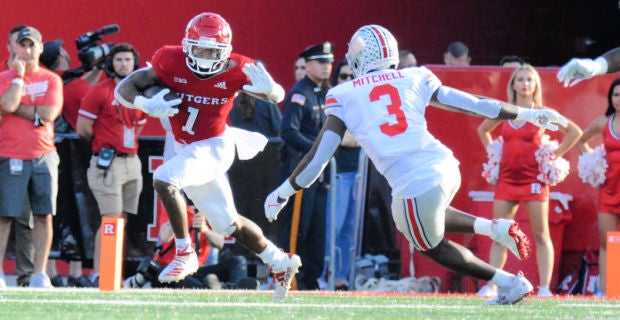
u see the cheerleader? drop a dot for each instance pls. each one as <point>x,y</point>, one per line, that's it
<point>600,167</point>
<point>529,163</point>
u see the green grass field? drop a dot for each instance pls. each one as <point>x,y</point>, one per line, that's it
<point>18,303</point>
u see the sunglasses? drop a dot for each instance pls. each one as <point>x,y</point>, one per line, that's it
<point>345,76</point>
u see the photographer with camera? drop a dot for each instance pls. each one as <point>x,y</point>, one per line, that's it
<point>150,267</point>
<point>115,172</point>
<point>231,271</point>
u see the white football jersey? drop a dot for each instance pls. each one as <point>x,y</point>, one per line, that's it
<point>385,111</point>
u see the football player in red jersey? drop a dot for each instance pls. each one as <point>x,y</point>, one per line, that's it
<point>207,75</point>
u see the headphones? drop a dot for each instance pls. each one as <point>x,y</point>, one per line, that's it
<point>121,47</point>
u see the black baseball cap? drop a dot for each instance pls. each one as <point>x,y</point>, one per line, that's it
<point>323,52</point>
<point>51,51</point>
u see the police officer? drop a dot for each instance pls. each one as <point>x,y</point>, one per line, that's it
<point>302,120</point>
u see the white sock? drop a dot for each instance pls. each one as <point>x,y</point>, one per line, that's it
<point>182,243</point>
<point>502,278</point>
<point>483,226</point>
<point>271,254</point>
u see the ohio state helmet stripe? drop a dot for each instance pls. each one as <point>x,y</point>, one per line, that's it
<point>382,40</point>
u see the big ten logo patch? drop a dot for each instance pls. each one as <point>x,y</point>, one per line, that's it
<point>536,188</point>
<point>109,229</point>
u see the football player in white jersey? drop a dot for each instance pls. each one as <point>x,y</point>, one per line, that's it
<point>384,108</point>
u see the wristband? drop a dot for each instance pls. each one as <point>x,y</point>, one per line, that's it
<point>285,190</point>
<point>19,81</point>
<point>602,65</point>
<point>521,113</point>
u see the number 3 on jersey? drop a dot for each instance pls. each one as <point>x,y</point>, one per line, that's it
<point>191,120</point>
<point>393,108</point>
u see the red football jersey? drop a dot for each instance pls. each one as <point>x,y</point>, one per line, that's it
<point>99,104</point>
<point>19,138</point>
<point>206,102</point>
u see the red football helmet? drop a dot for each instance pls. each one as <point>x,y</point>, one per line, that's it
<point>207,43</point>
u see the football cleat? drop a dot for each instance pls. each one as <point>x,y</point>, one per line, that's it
<point>184,263</point>
<point>519,288</point>
<point>508,234</point>
<point>283,276</point>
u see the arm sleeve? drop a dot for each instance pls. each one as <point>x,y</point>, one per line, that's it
<point>328,145</point>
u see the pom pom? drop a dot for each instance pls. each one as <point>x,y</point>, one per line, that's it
<point>592,166</point>
<point>552,170</point>
<point>490,169</point>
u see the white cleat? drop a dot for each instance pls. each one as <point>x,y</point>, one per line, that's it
<point>184,263</point>
<point>283,276</point>
<point>508,234</point>
<point>514,293</point>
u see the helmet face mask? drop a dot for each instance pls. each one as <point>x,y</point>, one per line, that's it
<point>372,47</point>
<point>207,43</point>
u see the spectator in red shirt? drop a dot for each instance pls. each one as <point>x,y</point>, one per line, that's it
<point>30,100</point>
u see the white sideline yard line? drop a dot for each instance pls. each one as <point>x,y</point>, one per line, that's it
<point>590,305</point>
<point>232,304</point>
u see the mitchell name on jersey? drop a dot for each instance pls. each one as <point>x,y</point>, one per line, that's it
<point>374,78</point>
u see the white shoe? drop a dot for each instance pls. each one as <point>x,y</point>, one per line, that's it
<point>40,280</point>
<point>184,263</point>
<point>544,292</point>
<point>283,275</point>
<point>514,293</point>
<point>508,234</point>
<point>488,290</point>
<point>2,282</point>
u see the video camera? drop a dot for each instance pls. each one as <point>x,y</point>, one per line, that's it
<point>90,52</point>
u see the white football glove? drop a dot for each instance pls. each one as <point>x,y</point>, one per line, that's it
<point>157,106</point>
<point>544,118</point>
<point>272,205</point>
<point>262,83</point>
<point>577,70</point>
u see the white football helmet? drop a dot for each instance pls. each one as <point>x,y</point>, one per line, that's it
<point>207,43</point>
<point>372,47</point>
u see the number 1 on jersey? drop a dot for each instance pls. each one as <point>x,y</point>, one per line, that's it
<point>394,109</point>
<point>191,120</point>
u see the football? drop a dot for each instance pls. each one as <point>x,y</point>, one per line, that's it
<point>153,90</point>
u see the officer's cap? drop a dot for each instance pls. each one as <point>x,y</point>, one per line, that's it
<point>323,52</point>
